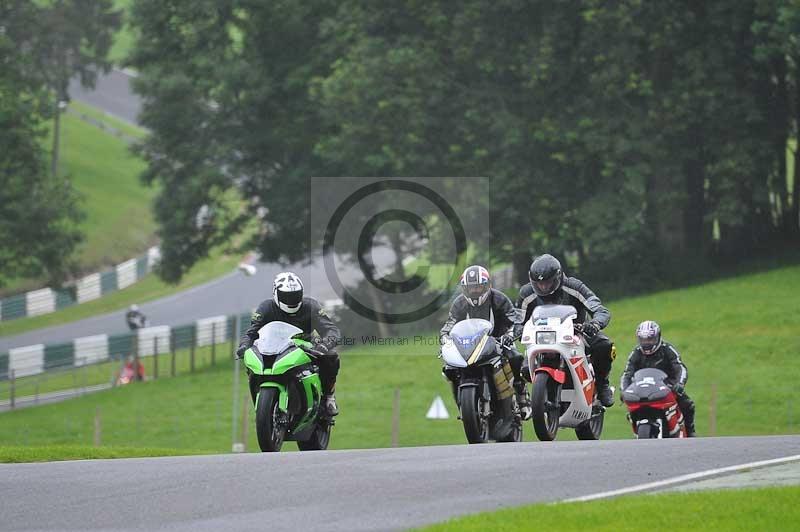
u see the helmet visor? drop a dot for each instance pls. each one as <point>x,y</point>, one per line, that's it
<point>546,286</point>
<point>291,299</point>
<point>648,345</point>
<point>474,291</point>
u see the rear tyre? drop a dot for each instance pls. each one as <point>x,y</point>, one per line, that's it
<point>545,418</point>
<point>592,428</point>
<point>515,434</point>
<point>476,428</point>
<point>270,433</point>
<point>644,431</point>
<point>319,439</point>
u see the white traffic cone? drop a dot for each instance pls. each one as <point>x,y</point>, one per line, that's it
<point>437,409</point>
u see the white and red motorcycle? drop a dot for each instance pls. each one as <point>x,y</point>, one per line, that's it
<point>564,391</point>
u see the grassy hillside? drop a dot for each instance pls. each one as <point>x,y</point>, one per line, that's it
<point>740,351</point>
<point>119,224</point>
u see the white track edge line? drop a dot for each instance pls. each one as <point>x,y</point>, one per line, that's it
<point>681,479</point>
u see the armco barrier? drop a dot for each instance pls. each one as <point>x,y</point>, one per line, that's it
<point>31,360</point>
<point>94,286</point>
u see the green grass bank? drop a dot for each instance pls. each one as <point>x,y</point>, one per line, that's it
<point>735,356</point>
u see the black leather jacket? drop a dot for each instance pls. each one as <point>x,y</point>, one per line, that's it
<point>571,292</point>
<point>667,359</point>
<point>311,317</point>
<point>497,309</point>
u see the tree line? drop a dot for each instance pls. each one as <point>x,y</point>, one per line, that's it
<point>640,141</point>
<point>637,140</point>
<point>43,45</point>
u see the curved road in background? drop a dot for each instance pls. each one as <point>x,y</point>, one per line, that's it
<point>232,293</point>
<point>379,489</point>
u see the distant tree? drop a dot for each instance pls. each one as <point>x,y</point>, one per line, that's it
<point>38,212</point>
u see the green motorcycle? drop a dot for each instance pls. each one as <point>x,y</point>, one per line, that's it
<point>288,404</point>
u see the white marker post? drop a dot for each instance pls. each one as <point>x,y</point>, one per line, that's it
<point>437,409</point>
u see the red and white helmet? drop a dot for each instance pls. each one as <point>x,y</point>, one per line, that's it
<point>648,334</point>
<point>287,291</point>
<point>475,285</point>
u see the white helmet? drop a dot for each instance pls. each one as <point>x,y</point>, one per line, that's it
<point>476,285</point>
<point>287,291</point>
<point>648,335</point>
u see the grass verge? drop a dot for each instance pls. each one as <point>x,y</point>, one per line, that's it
<point>49,453</point>
<point>732,354</point>
<point>747,510</point>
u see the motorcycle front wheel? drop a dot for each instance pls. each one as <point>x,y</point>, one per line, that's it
<point>476,427</point>
<point>270,433</point>
<point>645,431</point>
<point>545,409</point>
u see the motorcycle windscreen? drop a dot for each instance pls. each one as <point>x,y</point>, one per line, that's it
<point>562,312</point>
<point>275,336</point>
<point>648,384</point>
<point>467,334</point>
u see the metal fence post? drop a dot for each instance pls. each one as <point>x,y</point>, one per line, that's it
<point>213,343</point>
<point>191,352</point>
<point>12,386</point>
<point>233,333</point>
<point>135,356</point>
<point>155,357</point>
<point>236,446</point>
<point>172,352</point>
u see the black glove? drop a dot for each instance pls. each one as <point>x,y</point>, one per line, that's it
<point>244,346</point>
<point>322,346</point>
<point>507,340</point>
<point>590,330</point>
<point>677,388</point>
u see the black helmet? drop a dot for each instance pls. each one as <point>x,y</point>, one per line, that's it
<point>287,291</point>
<point>475,285</point>
<point>545,275</point>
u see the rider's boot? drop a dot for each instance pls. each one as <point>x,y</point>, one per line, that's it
<point>523,399</point>
<point>688,419</point>
<point>329,402</point>
<point>604,393</point>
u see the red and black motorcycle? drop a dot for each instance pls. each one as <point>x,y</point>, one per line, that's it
<point>653,406</point>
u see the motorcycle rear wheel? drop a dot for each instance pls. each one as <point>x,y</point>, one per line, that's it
<point>319,439</point>
<point>476,427</point>
<point>270,433</point>
<point>592,428</point>
<point>545,419</point>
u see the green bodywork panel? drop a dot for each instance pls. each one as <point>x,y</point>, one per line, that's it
<point>311,384</point>
<point>290,360</point>
<point>283,397</point>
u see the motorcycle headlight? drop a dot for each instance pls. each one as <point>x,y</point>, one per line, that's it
<point>546,337</point>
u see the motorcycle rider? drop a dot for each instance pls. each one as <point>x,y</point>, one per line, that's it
<point>288,305</point>
<point>135,318</point>
<point>653,352</point>
<point>550,286</point>
<point>479,300</point>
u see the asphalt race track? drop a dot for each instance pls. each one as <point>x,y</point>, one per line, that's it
<point>376,489</point>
